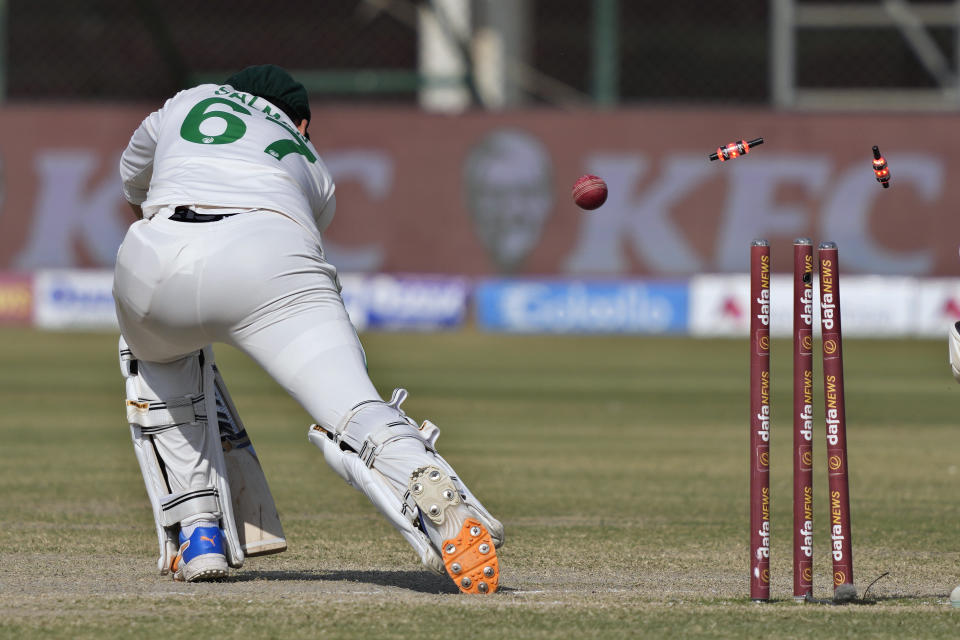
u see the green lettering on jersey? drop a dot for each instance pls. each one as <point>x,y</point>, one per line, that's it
<point>281,148</point>
<point>236,128</point>
<point>190,129</point>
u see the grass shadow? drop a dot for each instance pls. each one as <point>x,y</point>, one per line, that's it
<point>420,581</point>
<point>912,596</point>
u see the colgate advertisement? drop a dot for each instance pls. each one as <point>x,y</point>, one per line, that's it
<point>489,194</point>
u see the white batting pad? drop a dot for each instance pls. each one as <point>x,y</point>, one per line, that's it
<point>178,447</point>
<point>380,451</point>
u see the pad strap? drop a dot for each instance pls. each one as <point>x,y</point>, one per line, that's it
<point>396,426</point>
<point>177,507</point>
<point>154,417</point>
<point>374,443</point>
<point>128,363</point>
<point>409,507</point>
<point>428,431</point>
<point>399,395</point>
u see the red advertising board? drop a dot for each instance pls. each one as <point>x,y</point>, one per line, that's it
<point>16,298</point>
<point>487,193</point>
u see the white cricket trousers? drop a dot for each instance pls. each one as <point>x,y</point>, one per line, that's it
<point>257,281</point>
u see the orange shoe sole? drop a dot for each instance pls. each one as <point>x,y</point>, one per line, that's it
<point>471,559</point>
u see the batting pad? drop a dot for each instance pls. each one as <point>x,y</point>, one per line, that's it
<point>378,450</point>
<point>178,447</point>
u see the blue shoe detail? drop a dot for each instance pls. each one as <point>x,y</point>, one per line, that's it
<point>203,541</point>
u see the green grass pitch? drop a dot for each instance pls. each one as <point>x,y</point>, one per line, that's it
<point>618,465</point>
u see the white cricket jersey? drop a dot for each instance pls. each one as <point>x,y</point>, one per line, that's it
<point>213,146</point>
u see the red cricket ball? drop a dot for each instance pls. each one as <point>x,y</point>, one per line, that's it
<point>589,192</point>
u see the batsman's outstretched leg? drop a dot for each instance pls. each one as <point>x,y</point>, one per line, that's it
<point>377,449</point>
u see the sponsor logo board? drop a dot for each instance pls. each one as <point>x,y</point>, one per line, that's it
<point>408,303</point>
<point>499,191</point>
<point>534,306</point>
<point>74,299</point>
<point>871,306</point>
<point>938,306</point>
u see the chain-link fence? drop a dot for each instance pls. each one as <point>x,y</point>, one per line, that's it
<point>556,52</point>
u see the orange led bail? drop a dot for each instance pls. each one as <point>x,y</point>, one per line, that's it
<point>880,169</point>
<point>734,150</point>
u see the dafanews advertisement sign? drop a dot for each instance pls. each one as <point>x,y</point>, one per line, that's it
<point>703,306</point>
<point>872,306</point>
<point>543,306</point>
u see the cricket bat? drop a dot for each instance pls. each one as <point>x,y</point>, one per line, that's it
<point>258,524</point>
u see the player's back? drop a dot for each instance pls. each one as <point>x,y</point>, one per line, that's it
<point>220,147</point>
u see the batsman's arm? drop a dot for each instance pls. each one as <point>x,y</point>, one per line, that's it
<point>326,213</point>
<point>322,195</point>
<point>136,163</point>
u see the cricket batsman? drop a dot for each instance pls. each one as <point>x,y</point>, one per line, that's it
<point>231,199</point>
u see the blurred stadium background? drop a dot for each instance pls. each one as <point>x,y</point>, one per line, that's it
<point>455,129</point>
<point>511,54</point>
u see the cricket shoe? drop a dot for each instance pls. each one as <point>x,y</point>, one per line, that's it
<point>466,537</point>
<point>201,556</point>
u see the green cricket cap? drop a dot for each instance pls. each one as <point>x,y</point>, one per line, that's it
<point>273,83</point>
